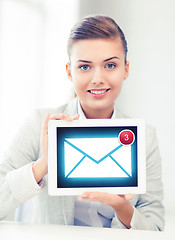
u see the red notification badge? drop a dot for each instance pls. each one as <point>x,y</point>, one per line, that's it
<point>126,137</point>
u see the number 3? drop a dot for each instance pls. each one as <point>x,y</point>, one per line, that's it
<point>126,137</point>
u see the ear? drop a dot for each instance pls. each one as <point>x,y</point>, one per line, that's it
<point>126,70</point>
<point>68,70</point>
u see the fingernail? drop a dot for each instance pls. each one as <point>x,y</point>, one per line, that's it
<point>91,196</point>
<point>129,196</point>
<point>75,117</point>
<point>84,195</point>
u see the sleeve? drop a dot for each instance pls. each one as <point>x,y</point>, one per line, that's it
<point>148,209</point>
<point>17,183</point>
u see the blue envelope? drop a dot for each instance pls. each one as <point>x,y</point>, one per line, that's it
<point>96,158</point>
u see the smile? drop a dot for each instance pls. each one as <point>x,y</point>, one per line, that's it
<point>98,92</point>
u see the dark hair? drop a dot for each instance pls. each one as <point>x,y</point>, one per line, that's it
<point>95,27</point>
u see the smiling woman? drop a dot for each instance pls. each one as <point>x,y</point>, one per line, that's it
<point>97,69</point>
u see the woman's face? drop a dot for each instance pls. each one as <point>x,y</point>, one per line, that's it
<point>97,69</point>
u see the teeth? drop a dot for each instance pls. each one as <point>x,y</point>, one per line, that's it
<point>98,92</point>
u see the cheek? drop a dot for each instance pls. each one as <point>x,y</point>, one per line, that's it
<point>79,85</point>
<point>120,76</point>
<point>116,80</point>
<point>80,80</point>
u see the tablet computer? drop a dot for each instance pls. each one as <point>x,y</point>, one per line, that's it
<point>96,155</point>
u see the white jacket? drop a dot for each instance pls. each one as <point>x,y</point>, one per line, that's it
<point>17,183</point>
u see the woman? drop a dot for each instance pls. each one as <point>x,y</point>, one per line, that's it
<point>97,68</point>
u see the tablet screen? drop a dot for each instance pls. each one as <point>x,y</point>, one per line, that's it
<point>96,157</point>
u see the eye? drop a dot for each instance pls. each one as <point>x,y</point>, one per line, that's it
<point>110,65</point>
<point>84,67</point>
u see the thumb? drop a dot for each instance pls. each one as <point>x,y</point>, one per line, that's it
<point>128,197</point>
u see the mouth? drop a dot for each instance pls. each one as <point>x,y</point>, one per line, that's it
<point>98,92</point>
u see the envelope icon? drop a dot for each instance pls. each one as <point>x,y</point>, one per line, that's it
<point>96,157</point>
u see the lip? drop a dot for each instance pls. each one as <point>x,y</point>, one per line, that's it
<point>98,92</point>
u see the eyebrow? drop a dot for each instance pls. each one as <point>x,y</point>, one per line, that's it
<point>108,59</point>
<point>84,61</point>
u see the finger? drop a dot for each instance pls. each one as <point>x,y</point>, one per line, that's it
<point>64,117</point>
<point>128,197</point>
<point>94,196</point>
<point>106,198</point>
<point>57,116</point>
<point>76,117</point>
<point>61,117</point>
<point>84,195</point>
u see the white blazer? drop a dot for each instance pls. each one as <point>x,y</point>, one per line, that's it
<point>18,186</point>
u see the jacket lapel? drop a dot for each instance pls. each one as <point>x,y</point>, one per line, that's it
<point>72,107</point>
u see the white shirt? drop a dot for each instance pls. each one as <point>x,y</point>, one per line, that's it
<point>82,115</point>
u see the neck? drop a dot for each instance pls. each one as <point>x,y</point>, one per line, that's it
<point>98,114</point>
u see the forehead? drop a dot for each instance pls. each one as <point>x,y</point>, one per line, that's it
<point>96,49</point>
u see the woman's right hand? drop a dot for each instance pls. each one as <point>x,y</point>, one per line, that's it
<point>40,167</point>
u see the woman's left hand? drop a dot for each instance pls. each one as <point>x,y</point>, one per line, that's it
<point>112,200</point>
<point>120,203</point>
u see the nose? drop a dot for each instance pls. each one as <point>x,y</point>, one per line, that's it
<point>97,77</point>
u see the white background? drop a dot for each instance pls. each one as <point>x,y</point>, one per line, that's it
<point>33,53</point>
